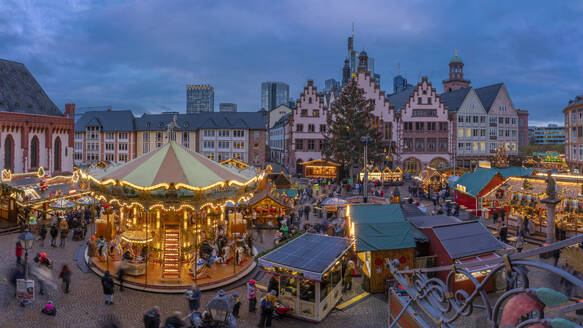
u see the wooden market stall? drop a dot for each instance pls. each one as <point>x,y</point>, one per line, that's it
<point>431,179</point>
<point>382,234</point>
<point>266,207</point>
<point>392,178</point>
<point>321,169</point>
<point>463,242</point>
<point>373,175</point>
<point>308,270</point>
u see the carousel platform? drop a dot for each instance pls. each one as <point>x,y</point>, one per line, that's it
<point>217,276</point>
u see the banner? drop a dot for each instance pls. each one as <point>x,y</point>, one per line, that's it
<point>25,290</point>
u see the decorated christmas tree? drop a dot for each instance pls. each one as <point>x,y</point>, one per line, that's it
<point>500,158</point>
<point>351,119</point>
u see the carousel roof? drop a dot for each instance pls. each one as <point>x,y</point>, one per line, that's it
<point>171,163</point>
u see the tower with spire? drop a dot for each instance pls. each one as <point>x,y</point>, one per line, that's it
<point>456,75</point>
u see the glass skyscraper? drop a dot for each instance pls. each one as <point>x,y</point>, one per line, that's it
<point>274,94</point>
<point>200,98</point>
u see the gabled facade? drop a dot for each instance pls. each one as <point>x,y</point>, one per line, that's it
<point>424,130</point>
<point>470,126</point>
<point>574,133</point>
<point>308,126</point>
<point>502,118</point>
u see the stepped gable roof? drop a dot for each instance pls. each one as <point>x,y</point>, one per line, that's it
<point>488,94</point>
<point>173,163</point>
<point>454,99</point>
<point>109,120</point>
<point>399,99</point>
<point>21,93</point>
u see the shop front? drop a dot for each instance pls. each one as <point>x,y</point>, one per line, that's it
<point>309,274</point>
<point>266,207</point>
<point>320,169</point>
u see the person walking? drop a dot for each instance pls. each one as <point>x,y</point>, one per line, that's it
<point>193,295</point>
<point>174,321</point>
<point>152,318</point>
<point>65,276</point>
<point>107,284</point>
<point>519,242</point>
<point>121,272</point>
<point>43,234</point>
<point>237,305</point>
<point>267,305</point>
<point>252,295</point>
<point>54,233</point>
<point>18,252</point>
<point>64,232</point>
<point>348,276</point>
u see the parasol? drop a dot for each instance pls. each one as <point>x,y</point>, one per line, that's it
<point>221,302</point>
<point>87,200</point>
<point>62,204</point>
<point>334,202</point>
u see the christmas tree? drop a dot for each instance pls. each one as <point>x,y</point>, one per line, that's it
<point>351,119</point>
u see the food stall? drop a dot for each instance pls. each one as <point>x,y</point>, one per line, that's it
<point>309,274</point>
<point>320,169</point>
<point>266,207</point>
<point>392,178</point>
<point>431,179</point>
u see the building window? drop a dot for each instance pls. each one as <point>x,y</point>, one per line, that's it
<point>78,156</point>
<point>493,120</point>
<point>109,157</point>
<point>57,155</point>
<point>492,132</point>
<point>482,132</point>
<point>514,120</point>
<point>159,136</point>
<point>500,133</point>
<point>468,132</point>
<point>311,144</point>
<point>238,133</point>
<point>475,132</point>
<point>146,148</point>
<point>419,145</point>
<point>514,133</point>
<point>502,108</point>
<point>110,146</point>
<point>311,128</point>
<point>321,144</point>
<point>185,137</point>
<point>299,127</point>
<point>460,146</point>
<point>443,145</point>
<point>408,144</point>
<point>109,135</point>
<point>419,101</point>
<point>223,133</point>
<point>79,146</point>
<point>239,145</point>
<point>442,126</point>
<point>460,119</point>
<point>256,134</point>
<point>468,119</point>
<point>482,119</point>
<point>78,135</point>
<point>431,144</point>
<point>316,113</point>
<point>208,144</point>
<point>323,128</point>
<point>431,126</point>
<point>460,132</point>
<point>419,126</point>
<point>299,144</point>
<point>146,137</point>
<point>209,133</point>
<point>304,113</point>
<point>476,118</point>
<point>122,147</point>
<point>123,136</point>
<point>224,145</point>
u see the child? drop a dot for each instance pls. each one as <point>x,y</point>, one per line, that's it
<point>237,305</point>
<point>49,309</point>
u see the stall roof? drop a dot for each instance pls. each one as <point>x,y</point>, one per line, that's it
<point>466,239</point>
<point>410,210</point>
<point>430,221</point>
<point>376,213</point>
<point>309,252</point>
<point>514,172</point>
<point>386,236</point>
<point>261,195</point>
<point>475,181</point>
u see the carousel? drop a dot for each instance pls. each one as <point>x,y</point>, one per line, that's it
<point>169,220</point>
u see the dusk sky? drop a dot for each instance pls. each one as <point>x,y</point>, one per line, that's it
<point>141,54</point>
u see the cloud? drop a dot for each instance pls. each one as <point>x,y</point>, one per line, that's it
<point>141,54</point>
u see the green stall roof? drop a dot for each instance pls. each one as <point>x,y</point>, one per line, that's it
<point>376,213</point>
<point>386,236</point>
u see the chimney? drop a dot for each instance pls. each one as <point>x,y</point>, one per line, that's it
<point>70,110</point>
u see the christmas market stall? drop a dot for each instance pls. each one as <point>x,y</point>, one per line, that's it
<point>165,219</point>
<point>392,178</point>
<point>521,198</point>
<point>382,234</point>
<point>308,270</point>
<point>373,175</point>
<point>431,179</point>
<point>266,207</point>
<point>320,169</point>
<point>35,191</point>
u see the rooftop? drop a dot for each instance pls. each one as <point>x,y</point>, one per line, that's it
<point>454,99</point>
<point>488,94</point>
<point>467,239</point>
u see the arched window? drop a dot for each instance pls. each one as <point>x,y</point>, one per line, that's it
<point>9,153</point>
<point>34,153</point>
<point>57,155</point>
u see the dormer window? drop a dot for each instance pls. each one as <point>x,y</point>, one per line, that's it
<point>161,124</point>
<point>148,124</point>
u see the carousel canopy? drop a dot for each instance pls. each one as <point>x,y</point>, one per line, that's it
<point>172,163</point>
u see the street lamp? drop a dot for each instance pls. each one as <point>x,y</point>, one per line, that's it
<point>366,140</point>
<point>26,240</point>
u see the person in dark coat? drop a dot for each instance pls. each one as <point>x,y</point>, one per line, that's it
<point>107,284</point>
<point>43,234</point>
<point>193,296</point>
<point>65,275</point>
<point>54,234</point>
<point>152,318</point>
<point>174,321</point>
<point>120,276</point>
<point>273,285</point>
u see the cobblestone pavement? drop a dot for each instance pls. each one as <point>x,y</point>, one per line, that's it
<point>84,305</point>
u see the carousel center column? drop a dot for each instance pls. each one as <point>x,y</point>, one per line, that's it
<point>551,203</point>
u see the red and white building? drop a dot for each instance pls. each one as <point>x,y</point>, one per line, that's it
<point>34,133</point>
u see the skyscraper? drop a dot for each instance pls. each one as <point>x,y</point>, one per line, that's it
<point>227,107</point>
<point>200,98</point>
<point>330,84</point>
<point>274,94</point>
